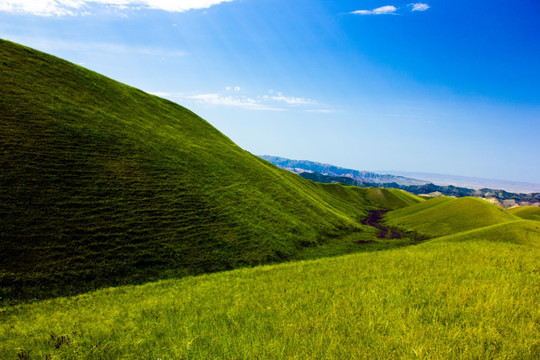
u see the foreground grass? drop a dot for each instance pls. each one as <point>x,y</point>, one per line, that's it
<point>468,299</point>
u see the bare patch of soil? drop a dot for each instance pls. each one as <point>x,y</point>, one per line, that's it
<point>374,220</point>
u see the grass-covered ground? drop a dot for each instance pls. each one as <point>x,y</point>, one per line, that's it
<point>526,212</point>
<point>443,216</point>
<point>472,296</point>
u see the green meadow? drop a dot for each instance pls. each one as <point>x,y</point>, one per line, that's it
<point>472,297</point>
<point>130,228</point>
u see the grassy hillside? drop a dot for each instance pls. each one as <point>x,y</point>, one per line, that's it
<point>525,232</point>
<point>445,299</point>
<point>443,216</point>
<point>102,183</point>
<point>526,212</point>
<point>392,198</point>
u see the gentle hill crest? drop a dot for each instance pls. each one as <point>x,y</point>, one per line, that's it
<point>526,212</point>
<point>444,216</point>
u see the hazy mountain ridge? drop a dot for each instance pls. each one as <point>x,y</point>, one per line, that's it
<point>300,166</point>
<point>502,198</point>
<point>470,182</point>
<point>499,197</point>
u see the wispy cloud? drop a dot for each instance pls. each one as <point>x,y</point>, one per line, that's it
<point>419,7</point>
<point>273,101</point>
<point>383,10</point>
<point>84,7</point>
<point>241,102</point>
<point>291,100</point>
<point>391,10</point>
<point>322,111</point>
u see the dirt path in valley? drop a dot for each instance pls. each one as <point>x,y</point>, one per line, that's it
<point>374,220</point>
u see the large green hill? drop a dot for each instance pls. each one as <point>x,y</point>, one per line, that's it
<point>102,183</point>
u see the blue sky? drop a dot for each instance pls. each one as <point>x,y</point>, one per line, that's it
<point>435,86</point>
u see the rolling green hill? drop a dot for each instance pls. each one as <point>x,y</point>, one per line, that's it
<point>526,212</point>
<point>392,198</point>
<point>443,216</point>
<point>102,183</point>
<point>525,232</point>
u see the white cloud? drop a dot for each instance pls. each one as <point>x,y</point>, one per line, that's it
<point>290,99</point>
<point>383,10</point>
<point>419,7</point>
<point>80,7</point>
<point>389,9</point>
<point>242,102</point>
<point>362,12</point>
<point>321,111</point>
<point>276,101</point>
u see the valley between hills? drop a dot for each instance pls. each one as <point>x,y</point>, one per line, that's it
<point>130,228</point>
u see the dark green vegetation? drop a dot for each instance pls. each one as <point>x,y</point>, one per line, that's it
<point>103,184</point>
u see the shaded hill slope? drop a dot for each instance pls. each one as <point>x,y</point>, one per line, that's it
<point>102,183</point>
<point>443,216</point>
<point>526,212</point>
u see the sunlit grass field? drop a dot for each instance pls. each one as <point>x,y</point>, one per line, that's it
<point>444,216</point>
<point>443,299</point>
<point>526,212</point>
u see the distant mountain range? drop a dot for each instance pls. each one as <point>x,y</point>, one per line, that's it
<point>301,166</point>
<point>326,173</point>
<point>469,182</point>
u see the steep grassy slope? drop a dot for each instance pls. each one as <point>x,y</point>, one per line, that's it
<point>473,299</point>
<point>444,216</point>
<point>526,212</point>
<point>102,182</point>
